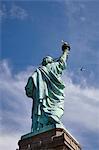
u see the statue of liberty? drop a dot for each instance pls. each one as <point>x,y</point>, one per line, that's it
<point>46,89</point>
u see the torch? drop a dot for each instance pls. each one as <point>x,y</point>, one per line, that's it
<point>65,45</point>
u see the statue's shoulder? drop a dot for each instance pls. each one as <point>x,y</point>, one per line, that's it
<point>41,67</point>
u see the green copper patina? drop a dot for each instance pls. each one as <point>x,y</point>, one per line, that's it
<point>46,89</point>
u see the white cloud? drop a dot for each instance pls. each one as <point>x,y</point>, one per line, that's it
<point>2,12</point>
<point>13,102</point>
<point>81,106</point>
<point>18,12</point>
<point>14,12</point>
<point>82,18</point>
<point>15,107</point>
<point>9,142</point>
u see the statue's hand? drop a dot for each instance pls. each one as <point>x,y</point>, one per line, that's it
<point>65,47</point>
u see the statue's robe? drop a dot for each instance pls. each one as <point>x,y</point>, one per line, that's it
<point>46,89</point>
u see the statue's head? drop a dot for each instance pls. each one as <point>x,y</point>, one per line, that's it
<point>46,60</point>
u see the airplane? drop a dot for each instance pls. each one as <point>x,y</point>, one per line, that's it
<point>82,69</point>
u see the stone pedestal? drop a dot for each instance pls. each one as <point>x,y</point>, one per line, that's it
<point>55,139</point>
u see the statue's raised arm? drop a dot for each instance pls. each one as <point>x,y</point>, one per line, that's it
<point>46,89</point>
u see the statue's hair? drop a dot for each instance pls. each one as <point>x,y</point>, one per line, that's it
<point>46,60</point>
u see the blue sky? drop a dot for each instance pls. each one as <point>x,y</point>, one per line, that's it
<point>30,30</point>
